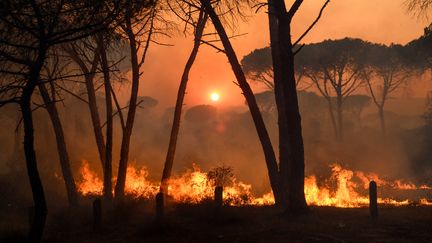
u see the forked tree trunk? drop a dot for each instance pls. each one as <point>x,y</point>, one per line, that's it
<point>89,74</point>
<point>38,224</point>
<point>296,202</point>
<point>68,178</point>
<point>179,103</point>
<point>107,170</point>
<point>261,129</point>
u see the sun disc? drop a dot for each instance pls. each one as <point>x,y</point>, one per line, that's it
<point>215,96</point>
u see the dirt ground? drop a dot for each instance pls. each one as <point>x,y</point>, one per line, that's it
<point>135,222</point>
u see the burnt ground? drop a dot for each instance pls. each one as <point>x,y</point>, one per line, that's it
<point>135,222</point>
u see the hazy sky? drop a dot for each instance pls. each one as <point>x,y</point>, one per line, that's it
<point>383,21</point>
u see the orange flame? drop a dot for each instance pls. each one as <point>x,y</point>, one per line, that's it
<point>194,186</point>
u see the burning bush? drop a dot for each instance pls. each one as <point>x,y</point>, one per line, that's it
<point>221,176</point>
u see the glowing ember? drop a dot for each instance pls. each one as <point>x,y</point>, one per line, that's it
<point>345,188</point>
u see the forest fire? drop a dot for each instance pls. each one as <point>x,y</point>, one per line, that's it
<point>344,188</point>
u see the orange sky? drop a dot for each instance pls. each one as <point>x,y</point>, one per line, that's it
<point>383,21</point>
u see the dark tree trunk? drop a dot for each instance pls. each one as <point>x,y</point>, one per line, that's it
<point>261,129</point>
<point>279,98</point>
<point>296,202</point>
<point>127,131</point>
<point>179,103</point>
<point>89,74</point>
<point>107,171</point>
<point>38,224</point>
<point>94,114</point>
<point>61,146</point>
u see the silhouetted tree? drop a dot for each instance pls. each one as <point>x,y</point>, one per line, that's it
<point>54,69</point>
<point>419,7</point>
<point>270,158</point>
<point>335,68</point>
<point>384,73</point>
<point>258,67</point>
<point>291,149</point>
<point>28,31</point>
<point>85,55</point>
<point>137,23</point>
<point>198,32</point>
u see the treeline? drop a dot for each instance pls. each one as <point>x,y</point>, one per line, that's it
<point>337,69</point>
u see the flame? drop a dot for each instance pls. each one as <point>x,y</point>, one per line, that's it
<point>344,188</point>
<point>90,184</point>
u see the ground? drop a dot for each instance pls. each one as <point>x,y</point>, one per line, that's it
<point>135,222</point>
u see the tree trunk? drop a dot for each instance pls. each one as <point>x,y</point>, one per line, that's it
<point>279,98</point>
<point>261,129</point>
<point>61,146</point>
<point>382,119</point>
<point>127,131</point>
<point>332,118</point>
<point>89,74</point>
<point>179,103</point>
<point>295,174</point>
<point>38,224</point>
<point>94,113</point>
<point>340,117</point>
<point>107,168</point>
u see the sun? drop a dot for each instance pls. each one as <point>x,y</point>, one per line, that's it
<point>215,96</point>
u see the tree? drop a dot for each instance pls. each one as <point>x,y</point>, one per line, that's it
<point>261,129</point>
<point>258,67</point>
<point>29,30</point>
<point>287,179</point>
<point>384,73</point>
<point>53,70</point>
<point>85,55</point>
<point>102,41</point>
<point>291,148</point>
<point>137,22</point>
<point>419,7</point>
<point>334,66</point>
<point>198,33</point>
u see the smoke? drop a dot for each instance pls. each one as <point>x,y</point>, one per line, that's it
<point>229,137</point>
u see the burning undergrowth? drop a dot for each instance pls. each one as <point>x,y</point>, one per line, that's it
<point>344,188</point>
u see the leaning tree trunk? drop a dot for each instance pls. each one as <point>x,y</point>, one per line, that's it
<point>179,103</point>
<point>68,178</point>
<point>107,165</point>
<point>127,131</point>
<point>296,202</point>
<point>261,129</point>
<point>40,207</point>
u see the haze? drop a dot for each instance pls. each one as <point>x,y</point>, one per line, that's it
<point>374,21</point>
